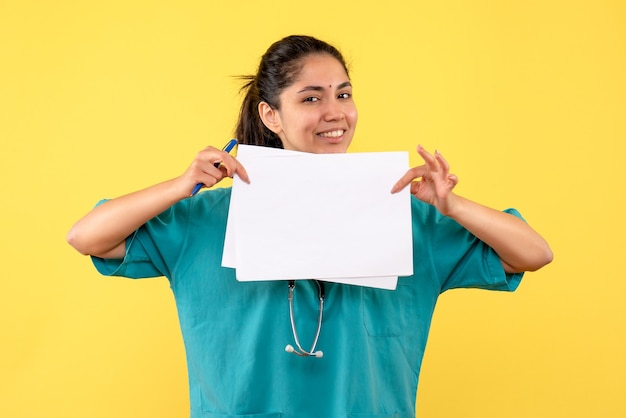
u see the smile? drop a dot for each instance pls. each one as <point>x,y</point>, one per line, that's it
<point>332,134</point>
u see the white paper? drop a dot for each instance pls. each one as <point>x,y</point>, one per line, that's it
<point>320,216</point>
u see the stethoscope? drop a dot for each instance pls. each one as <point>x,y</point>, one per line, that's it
<point>299,350</point>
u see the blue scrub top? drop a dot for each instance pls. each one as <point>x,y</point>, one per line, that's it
<point>235,332</point>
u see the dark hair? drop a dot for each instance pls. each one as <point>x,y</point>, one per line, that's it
<point>278,69</point>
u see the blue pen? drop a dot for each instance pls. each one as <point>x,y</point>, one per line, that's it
<point>228,148</point>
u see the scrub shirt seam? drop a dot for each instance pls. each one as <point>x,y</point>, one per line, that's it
<point>183,246</point>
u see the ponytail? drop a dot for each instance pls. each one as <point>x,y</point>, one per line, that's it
<point>250,128</point>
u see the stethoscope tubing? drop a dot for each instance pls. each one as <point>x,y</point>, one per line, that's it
<point>300,351</point>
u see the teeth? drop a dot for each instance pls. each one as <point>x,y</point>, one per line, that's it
<point>332,134</point>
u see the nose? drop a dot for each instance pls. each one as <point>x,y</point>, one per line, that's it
<point>333,111</point>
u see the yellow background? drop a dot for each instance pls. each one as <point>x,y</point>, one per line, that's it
<point>527,100</point>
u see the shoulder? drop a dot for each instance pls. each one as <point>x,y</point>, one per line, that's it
<point>213,202</point>
<point>215,197</point>
<point>219,195</point>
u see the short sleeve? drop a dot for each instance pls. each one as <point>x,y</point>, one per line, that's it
<point>480,267</point>
<point>135,264</point>
<point>159,246</point>
<point>153,248</point>
<point>459,259</point>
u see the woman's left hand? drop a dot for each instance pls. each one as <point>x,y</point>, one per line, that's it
<point>519,247</point>
<point>435,182</point>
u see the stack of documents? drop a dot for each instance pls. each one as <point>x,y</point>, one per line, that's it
<point>329,217</point>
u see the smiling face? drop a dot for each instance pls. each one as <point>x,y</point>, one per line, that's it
<point>316,112</point>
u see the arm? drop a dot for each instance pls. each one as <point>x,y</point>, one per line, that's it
<point>519,247</point>
<point>103,231</point>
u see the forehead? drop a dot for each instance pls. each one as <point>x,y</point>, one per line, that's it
<point>321,69</point>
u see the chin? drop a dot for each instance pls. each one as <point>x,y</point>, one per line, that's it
<point>321,147</point>
<point>333,148</point>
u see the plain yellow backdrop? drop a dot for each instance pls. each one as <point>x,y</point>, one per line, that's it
<point>526,99</point>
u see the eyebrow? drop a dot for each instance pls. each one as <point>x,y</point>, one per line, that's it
<point>320,88</point>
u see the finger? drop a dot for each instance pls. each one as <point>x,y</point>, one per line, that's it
<point>408,177</point>
<point>219,157</point>
<point>235,167</point>
<point>442,161</point>
<point>430,161</point>
<point>206,179</point>
<point>242,173</point>
<point>415,187</point>
<point>453,179</point>
<point>232,166</point>
<point>210,155</point>
<point>212,175</point>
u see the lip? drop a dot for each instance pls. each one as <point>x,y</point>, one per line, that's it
<point>332,139</point>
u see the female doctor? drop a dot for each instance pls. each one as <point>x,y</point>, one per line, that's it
<point>235,332</point>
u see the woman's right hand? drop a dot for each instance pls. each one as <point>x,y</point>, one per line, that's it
<point>203,170</point>
<point>103,231</point>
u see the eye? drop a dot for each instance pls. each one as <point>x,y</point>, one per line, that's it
<point>345,95</point>
<point>311,99</point>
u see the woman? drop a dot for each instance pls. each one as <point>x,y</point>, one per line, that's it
<point>235,332</point>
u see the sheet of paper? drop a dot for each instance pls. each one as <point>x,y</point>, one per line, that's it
<point>246,152</point>
<point>384,282</point>
<point>324,216</point>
